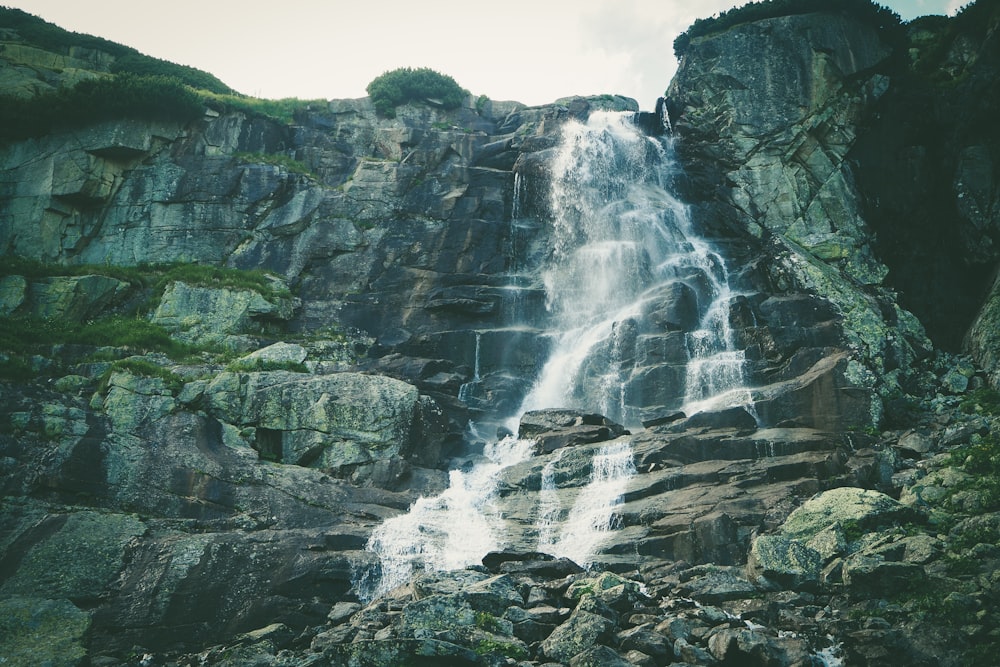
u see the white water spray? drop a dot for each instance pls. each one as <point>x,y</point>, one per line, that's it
<point>447,532</point>
<point>621,241</point>
<point>592,516</point>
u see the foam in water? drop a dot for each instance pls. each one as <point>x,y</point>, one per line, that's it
<point>592,517</point>
<point>447,532</point>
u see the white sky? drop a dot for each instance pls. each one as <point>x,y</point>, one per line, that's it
<point>533,51</point>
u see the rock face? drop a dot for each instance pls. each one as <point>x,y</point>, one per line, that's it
<point>769,111</point>
<point>217,491</point>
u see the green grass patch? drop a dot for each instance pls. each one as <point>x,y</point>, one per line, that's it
<point>493,646</point>
<point>143,368</point>
<point>984,401</point>
<point>26,335</point>
<point>16,368</point>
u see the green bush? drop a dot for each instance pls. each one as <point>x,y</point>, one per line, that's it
<point>882,18</point>
<point>95,100</point>
<point>141,65</point>
<point>406,84</point>
<point>284,110</point>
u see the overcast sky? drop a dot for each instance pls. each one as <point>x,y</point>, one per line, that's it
<point>533,51</point>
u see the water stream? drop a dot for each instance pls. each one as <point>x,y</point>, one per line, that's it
<point>625,269</point>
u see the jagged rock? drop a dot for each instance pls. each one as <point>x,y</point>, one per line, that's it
<point>555,429</point>
<point>135,401</point>
<point>873,575</point>
<point>209,314</point>
<point>72,297</point>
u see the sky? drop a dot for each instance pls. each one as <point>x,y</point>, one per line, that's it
<point>532,51</point>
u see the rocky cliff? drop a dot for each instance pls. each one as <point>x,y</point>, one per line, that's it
<point>233,347</point>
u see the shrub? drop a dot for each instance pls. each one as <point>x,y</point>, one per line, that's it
<point>141,65</point>
<point>412,85</point>
<point>95,100</point>
<point>882,18</point>
<point>284,110</point>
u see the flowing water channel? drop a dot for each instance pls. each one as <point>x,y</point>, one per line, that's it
<point>625,269</point>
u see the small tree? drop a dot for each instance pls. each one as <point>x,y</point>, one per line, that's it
<point>407,84</point>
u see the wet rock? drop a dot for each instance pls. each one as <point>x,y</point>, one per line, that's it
<point>555,429</point>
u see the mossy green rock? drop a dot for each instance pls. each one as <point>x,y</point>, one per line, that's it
<point>328,420</point>
<point>847,505</point>
<point>76,557</point>
<point>135,400</point>
<point>36,631</point>
<point>210,314</point>
<point>580,632</point>
<point>775,558</point>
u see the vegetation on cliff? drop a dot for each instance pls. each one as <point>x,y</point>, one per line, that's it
<point>407,84</point>
<point>869,12</point>
<point>44,35</point>
<point>120,96</point>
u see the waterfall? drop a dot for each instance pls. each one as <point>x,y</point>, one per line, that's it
<point>625,262</point>
<point>446,532</point>
<point>465,391</point>
<point>592,516</point>
<point>625,268</point>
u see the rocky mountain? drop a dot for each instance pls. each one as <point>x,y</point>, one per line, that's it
<point>240,345</point>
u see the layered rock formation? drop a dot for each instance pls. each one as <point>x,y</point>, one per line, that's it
<point>214,506</point>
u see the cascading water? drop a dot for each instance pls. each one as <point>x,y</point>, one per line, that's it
<point>623,251</point>
<point>447,532</point>
<point>625,267</point>
<point>579,534</point>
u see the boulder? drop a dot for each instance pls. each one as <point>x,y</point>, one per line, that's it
<point>862,508</point>
<point>211,314</point>
<point>581,631</point>
<point>324,421</point>
<point>775,560</point>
